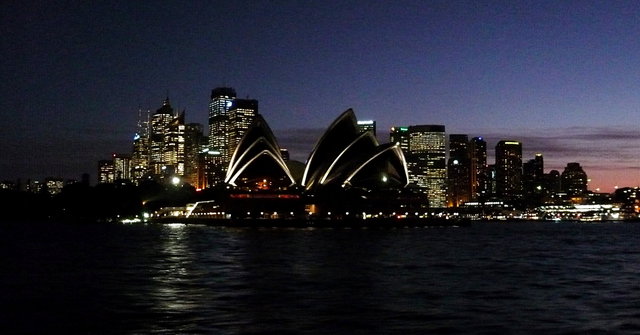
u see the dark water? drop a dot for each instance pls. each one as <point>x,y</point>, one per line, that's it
<point>487,278</point>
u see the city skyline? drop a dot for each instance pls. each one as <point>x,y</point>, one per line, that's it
<point>561,78</point>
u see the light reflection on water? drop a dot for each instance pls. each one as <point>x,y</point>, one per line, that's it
<point>487,278</point>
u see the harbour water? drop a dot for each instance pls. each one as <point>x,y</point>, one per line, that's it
<point>528,277</point>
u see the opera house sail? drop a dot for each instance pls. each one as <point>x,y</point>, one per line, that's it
<point>257,162</point>
<point>345,156</point>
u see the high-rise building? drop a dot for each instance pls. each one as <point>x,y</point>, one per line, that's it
<point>241,114</point>
<point>478,166</point>
<point>193,143</point>
<point>574,179</point>
<point>458,171</point>
<point>400,135</point>
<point>552,181</point>
<point>159,127</point>
<point>122,166</point>
<point>140,155</point>
<point>219,123</point>
<point>533,185</point>
<point>367,125</point>
<point>509,169</point>
<point>229,118</point>
<point>174,147</point>
<point>426,162</point>
<point>106,171</point>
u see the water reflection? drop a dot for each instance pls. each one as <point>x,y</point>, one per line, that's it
<point>487,278</point>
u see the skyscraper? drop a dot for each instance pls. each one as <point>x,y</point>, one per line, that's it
<point>159,127</point>
<point>509,169</point>
<point>106,171</point>
<point>478,166</point>
<point>219,123</point>
<point>400,135</point>
<point>458,171</point>
<point>574,179</point>
<point>122,166</point>
<point>242,112</point>
<point>229,118</point>
<point>140,156</point>
<point>174,146</point>
<point>533,185</point>
<point>426,162</point>
<point>193,143</point>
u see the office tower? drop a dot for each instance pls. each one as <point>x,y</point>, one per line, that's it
<point>509,169</point>
<point>478,166</point>
<point>367,125</point>
<point>400,135</point>
<point>458,171</point>
<point>242,112</point>
<point>427,162</point>
<point>533,177</point>
<point>229,119</point>
<point>219,123</point>
<point>213,172</point>
<point>574,179</point>
<point>140,155</point>
<point>193,142</point>
<point>159,126</point>
<point>122,166</point>
<point>552,181</point>
<point>174,147</point>
<point>106,171</point>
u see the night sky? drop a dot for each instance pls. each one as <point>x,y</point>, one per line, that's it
<point>563,77</point>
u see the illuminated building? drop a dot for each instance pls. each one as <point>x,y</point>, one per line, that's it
<point>533,185</point>
<point>159,127</point>
<point>174,147</point>
<point>229,119</point>
<point>8,185</point>
<point>458,171</point>
<point>400,135</point>
<point>54,185</point>
<point>426,161</point>
<point>491,179</point>
<point>122,166</point>
<point>35,186</point>
<point>193,143</point>
<point>574,179</point>
<point>508,169</point>
<point>241,114</point>
<point>552,181</point>
<point>106,171</point>
<point>478,166</point>
<point>367,125</point>
<point>140,156</point>
<point>210,162</point>
<point>219,123</point>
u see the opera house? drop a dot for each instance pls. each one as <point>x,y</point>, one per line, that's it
<point>348,174</point>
